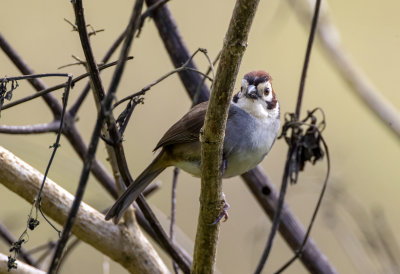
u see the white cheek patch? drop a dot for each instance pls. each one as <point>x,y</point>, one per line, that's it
<point>269,97</point>
<point>269,85</point>
<point>262,87</point>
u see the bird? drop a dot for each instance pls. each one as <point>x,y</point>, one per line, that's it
<point>252,126</point>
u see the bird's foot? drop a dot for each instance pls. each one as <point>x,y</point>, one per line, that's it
<point>224,212</point>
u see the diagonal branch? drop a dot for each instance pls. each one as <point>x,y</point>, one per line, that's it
<point>131,250</point>
<point>102,114</point>
<point>22,267</point>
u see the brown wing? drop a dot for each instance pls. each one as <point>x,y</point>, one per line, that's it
<point>187,129</point>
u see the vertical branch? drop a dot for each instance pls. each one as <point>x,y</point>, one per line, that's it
<point>212,136</point>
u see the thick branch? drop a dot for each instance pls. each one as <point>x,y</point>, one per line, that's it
<point>212,137</point>
<point>132,251</point>
<point>23,268</point>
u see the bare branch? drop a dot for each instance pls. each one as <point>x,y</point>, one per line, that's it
<point>23,268</point>
<point>75,107</point>
<point>31,129</point>
<point>131,250</point>
<point>105,107</point>
<point>165,76</point>
<point>9,239</point>
<point>212,136</point>
<point>60,86</point>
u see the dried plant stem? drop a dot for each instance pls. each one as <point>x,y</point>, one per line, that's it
<point>290,154</point>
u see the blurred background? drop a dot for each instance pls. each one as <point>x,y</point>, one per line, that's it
<point>364,185</point>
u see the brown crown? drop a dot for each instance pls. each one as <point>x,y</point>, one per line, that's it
<point>256,77</point>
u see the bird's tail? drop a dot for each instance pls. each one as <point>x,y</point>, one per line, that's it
<point>134,190</point>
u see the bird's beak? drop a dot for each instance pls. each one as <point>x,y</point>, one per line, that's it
<point>251,92</point>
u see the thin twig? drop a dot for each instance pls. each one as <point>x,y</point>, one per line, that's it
<point>318,205</point>
<point>291,151</point>
<point>97,85</point>
<point>209,70</point>
<point>55,146</point>
<point>77,104</point>
<point>114,134</point>
<point>9,239</point>
<point>177,70</point>
<point>307,57</point>
<point>74,109</point>
<point>37,83</point>
<point>32,222</point>
<point>177,50</point>
<point>173,212</point>
<point>31,129</point>
<point>162,236</point>
<point>103,113</point>
<point>277,214</point>
<point>71,131</point>
<point>56,87</point>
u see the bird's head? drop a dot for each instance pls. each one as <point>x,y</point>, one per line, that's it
<point>257,95</point>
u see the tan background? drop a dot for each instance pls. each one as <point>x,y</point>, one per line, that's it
<point>365,154</point>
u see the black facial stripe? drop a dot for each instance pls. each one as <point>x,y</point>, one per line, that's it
<point>260,80</point>
<point>255,80</point>
<point>235,98</point>
<point>271,105</point>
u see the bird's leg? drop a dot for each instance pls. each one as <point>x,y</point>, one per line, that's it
<point>224,212</point>
<point>224,165</point>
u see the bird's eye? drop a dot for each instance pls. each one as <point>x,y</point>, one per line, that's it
<point>267,91</point>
